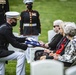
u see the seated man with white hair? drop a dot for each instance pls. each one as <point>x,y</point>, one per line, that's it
<point>55,35</point>
<point>52,33</point>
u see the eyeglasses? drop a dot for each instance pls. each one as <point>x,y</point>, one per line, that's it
<point>56,26</point>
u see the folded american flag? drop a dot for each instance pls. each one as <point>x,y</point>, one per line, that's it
<point>31,41</point>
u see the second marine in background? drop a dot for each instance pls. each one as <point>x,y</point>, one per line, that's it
<point>30,23</point>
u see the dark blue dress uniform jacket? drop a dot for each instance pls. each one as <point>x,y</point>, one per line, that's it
<point>3,8</point>
<point>30,18</point>
<point>6,37</point>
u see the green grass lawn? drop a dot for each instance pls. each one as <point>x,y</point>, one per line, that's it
<point>49,11</point>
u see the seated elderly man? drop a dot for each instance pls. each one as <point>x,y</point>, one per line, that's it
<point>69,55</point>
<point>55,40</point>
<point>55,30</point>
<point>6,37</point>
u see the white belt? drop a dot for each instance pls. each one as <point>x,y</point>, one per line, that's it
<point>30,24</point>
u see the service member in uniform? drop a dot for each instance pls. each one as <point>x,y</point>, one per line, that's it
<point>30,23</point>
<point>6,37</point>
<point>4,7</point>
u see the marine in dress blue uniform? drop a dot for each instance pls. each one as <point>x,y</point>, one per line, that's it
<point>30,22</point>
<point>6,37</point>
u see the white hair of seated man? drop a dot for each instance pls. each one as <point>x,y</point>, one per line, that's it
<point>57,22</point>
<point>56,25</point>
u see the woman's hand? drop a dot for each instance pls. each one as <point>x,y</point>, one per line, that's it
<point>56,56</point>
<point>46,45</point>
<point>47,51</point>
<point>51,54</point>
<point>42,57</point>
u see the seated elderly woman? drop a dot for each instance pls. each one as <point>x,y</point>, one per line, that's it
<point>69,55</point>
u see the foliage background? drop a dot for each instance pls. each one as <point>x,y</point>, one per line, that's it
<point>49,10</point>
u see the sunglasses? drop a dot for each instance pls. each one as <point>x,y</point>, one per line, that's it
<point>56,26</point>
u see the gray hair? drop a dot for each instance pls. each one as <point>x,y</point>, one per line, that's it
<point>70,29</point>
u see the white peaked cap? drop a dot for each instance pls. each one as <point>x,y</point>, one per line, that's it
<point>12,14</point>
<point>57,22</point>
<point>27,1</point>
